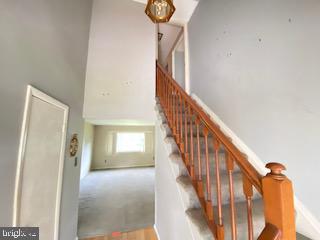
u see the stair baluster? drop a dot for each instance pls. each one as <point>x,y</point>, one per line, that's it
<point>192,168</point>
<point>209,206</point>
<point>199,183</point>
<point>220,229</point>
<point>175,110</point>
<point>186,147</point>
<point>178,118</point>
<point>230,168</point>
<point>248,192</point>
<point>181,124</point>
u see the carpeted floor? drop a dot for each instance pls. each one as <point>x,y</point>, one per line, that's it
<point>116,200</point>
<point>301,237</point>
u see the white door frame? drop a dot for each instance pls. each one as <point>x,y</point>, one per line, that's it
<point>33,92</point>
<point>173,55</point>
<point>186,58</point>
<point>185,36</point>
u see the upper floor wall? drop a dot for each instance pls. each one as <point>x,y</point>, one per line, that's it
<point>120,80</point>
<point>167,43</point>
<point>256,65</point>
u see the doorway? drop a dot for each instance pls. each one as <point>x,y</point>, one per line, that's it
<point>173,53</point>
<point>117,187</point>
<point>178,62</point>
<point>40,164</point>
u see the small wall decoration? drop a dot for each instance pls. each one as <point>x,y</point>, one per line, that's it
<point>74,143</point>
<point>160,35</point>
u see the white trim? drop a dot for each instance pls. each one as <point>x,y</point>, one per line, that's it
<point>156,231</point>
<point>21,150</point>
<point>306,223</point>
<point>186,58</point>
<point>33,92</point>
<point>173,63</point>
<point>173,55</point>
<point>123,167</point>
<point>157,41</point>
<point>185,37</point>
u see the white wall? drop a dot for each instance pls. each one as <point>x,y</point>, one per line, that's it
<point>256,64</point>
<point>43,43</point>
<point>171,220</point>
<point>170,33</point>
<point>179,68</point>
<point>87,149</point>
<point>121,62</point>
<point>104,150</point>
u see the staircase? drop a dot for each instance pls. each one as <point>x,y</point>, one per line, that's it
<point>226,196</point>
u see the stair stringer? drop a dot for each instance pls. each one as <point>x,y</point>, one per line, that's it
<point>189,199</point>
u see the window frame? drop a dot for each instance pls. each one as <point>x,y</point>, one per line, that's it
<point>130,151</point>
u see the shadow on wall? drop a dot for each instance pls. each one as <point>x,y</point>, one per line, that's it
<point>87,149</point>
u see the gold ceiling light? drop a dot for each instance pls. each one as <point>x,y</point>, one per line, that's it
<point>160,10</point>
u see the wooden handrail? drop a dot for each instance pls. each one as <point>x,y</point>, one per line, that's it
<point>270,232</point>
<point>183,114</point>
<point>254,176</point>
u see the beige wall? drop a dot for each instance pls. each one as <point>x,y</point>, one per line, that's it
<point>87,149</point>
<point>104,150</point>
<point>256,65</point>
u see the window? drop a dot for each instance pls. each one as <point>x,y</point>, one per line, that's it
<point>130,142</point>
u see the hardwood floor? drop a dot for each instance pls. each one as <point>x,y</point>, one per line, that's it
<point>143,234</point>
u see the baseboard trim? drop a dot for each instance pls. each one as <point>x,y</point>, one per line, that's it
<point>123,167</point>
<point>156,231</point>
<point>306,223</point>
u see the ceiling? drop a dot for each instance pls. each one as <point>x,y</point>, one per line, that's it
<point>184,10</point>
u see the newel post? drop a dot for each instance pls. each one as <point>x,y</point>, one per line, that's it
<point>279,202</point>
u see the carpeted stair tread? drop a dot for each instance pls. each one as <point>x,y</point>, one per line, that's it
<point>222,163</point>
<point>186,185</point>
<point>224,180</point>
<point>198,219</point>
<point>241,219</point>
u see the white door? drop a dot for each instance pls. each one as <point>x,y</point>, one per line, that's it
<point>40,169</point>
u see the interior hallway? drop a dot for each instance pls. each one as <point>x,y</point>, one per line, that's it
<point>116,200</point>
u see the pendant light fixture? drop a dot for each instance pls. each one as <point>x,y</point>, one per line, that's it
<point>160,11</point>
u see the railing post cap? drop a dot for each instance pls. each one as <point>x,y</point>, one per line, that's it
<point>276,170</point>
